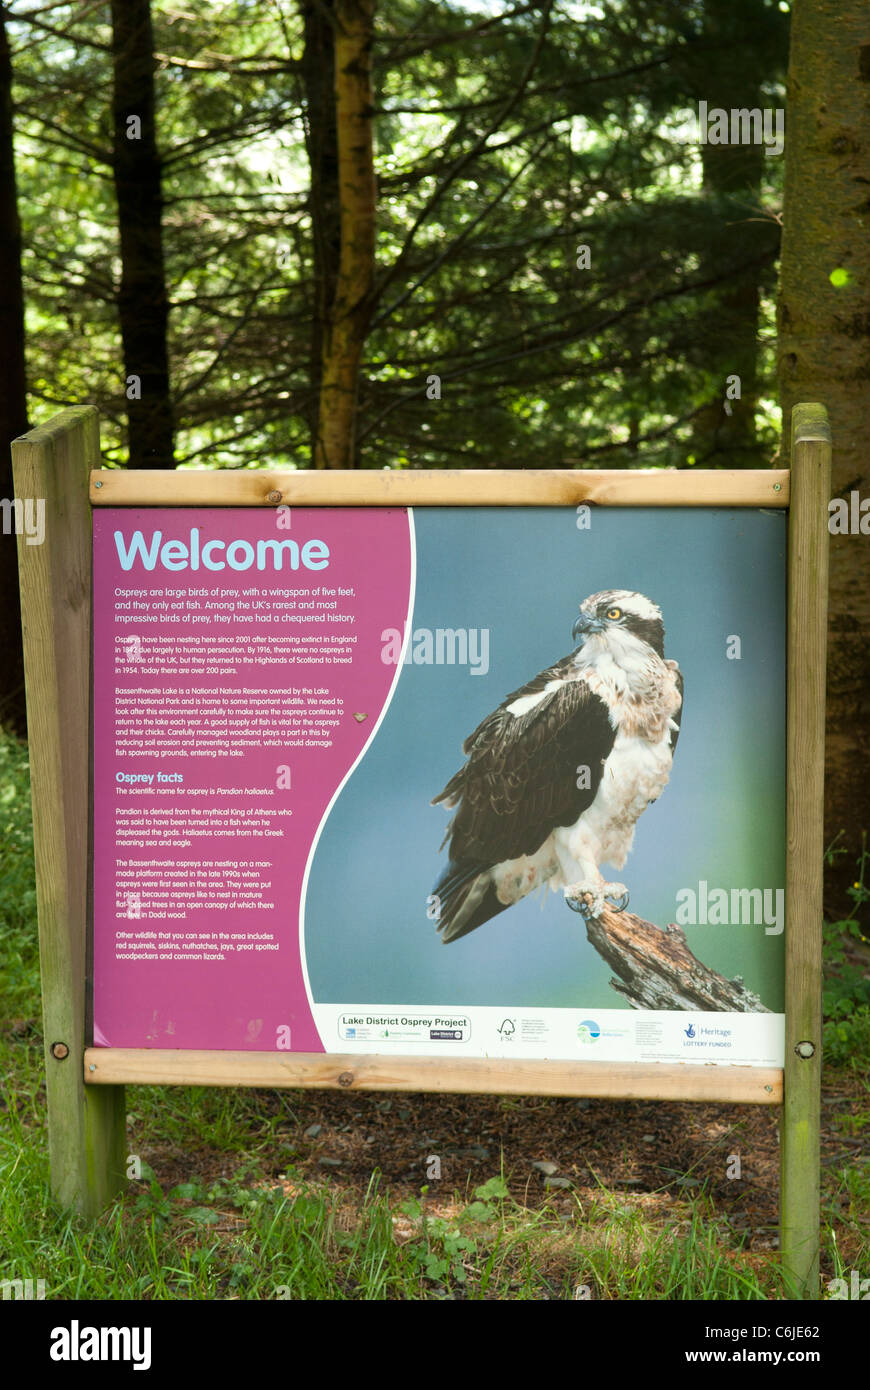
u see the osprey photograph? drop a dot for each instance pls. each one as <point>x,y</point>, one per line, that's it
<point>539,798</point>
<point>559,774</point>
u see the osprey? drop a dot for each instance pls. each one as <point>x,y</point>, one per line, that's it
<point>558,775</point>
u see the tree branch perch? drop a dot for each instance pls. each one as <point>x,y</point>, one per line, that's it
<point>658,971</point>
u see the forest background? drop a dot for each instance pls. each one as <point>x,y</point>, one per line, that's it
<point>403,234</point>
<point>399,234</point>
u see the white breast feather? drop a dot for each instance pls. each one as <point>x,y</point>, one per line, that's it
<point>635,773</point>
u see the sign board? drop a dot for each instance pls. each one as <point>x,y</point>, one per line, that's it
<point>280,693</point>
<point>261,682</point>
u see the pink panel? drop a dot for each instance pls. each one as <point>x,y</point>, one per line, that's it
<point>225,691</point>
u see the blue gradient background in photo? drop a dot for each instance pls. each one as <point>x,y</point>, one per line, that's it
<point>522,573</point>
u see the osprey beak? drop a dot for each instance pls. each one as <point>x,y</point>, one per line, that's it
<point>586,625</point>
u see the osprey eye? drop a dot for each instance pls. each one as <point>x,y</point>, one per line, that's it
<point>614,614</point>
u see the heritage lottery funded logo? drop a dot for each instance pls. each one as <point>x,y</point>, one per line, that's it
<point>702,1035</point>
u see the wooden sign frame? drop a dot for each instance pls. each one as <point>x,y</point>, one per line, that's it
<point>60,462</point>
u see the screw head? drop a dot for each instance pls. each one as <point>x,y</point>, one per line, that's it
<point>275,496</point>
<point>805,1050</point>
<point>777,487</point>
<point>98,484</point>
<point>346,1078</point>
<point>59,1051</point>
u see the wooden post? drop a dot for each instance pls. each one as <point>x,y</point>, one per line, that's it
<point>86,1127</point>
<point>807,636</point>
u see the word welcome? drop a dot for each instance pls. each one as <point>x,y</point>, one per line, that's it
<point>240,555</point>
<point>744,907</point>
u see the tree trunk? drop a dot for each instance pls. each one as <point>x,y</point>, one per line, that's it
<point>724,430</point>
<point>824,345</point>
<point>658,971</point>
<point>321,143</point>
<point>349,319</point>
<point>143,302</point>
<point>13,397</point>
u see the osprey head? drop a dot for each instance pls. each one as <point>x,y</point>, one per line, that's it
<point>620,614</point>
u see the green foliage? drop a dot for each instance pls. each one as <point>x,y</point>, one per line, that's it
<point>846,995</point>
<point>491,170</point>
<point>447,1247</point>
<point>19,944</point>
<point>697,1259</point>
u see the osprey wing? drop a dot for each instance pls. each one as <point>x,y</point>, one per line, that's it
<point>525,761</point>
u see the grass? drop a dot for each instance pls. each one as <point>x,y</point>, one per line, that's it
<point>251,1237</point>
<point>846,996</point>
<point>235,1227</point>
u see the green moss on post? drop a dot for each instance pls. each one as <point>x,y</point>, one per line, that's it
<point>807,637</point>
<point>86,1129</point>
